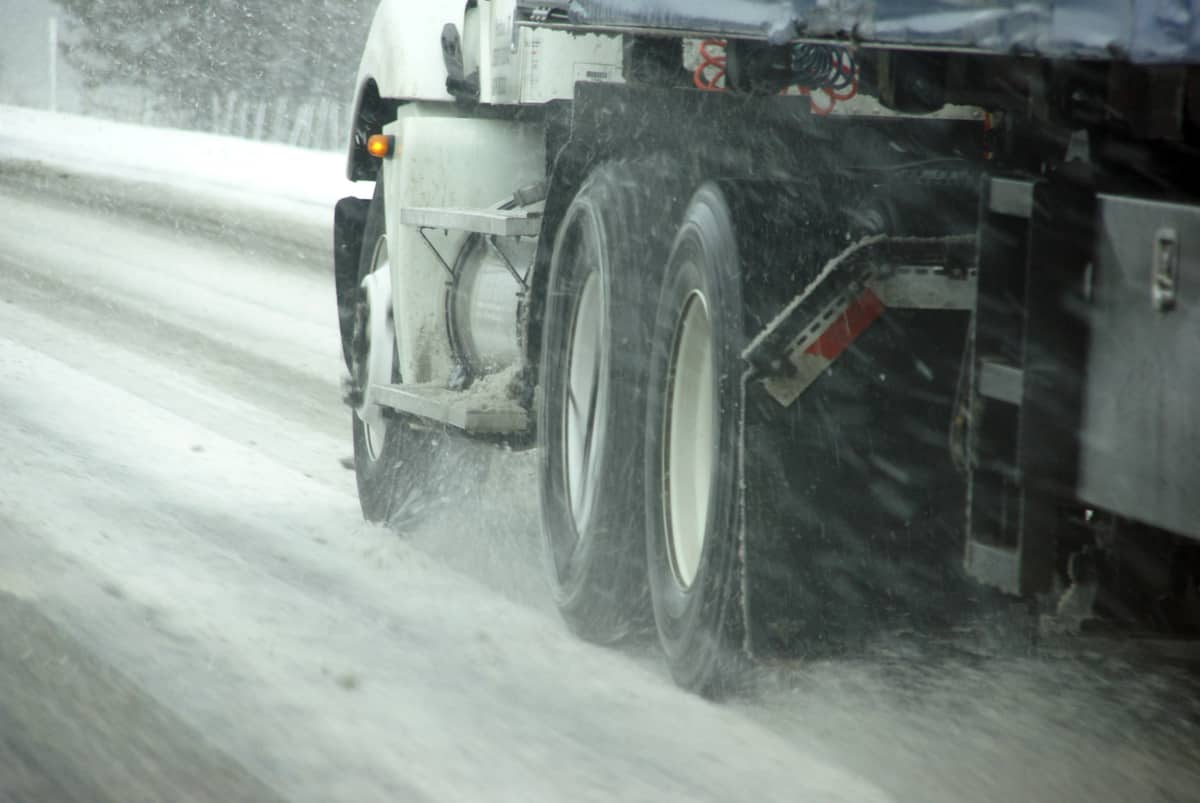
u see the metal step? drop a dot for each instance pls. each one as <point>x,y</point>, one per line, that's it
<point>994,565</point>
<point>1001,382</point>
<point>470,412</point>
<point>499,222</point>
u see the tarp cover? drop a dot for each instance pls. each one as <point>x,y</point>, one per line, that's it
<point>1152,31</point>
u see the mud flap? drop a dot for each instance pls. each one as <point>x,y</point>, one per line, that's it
<point>349,221</point>
<point>851,506</point>
<point>772,620</point>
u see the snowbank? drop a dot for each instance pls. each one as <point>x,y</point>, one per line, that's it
<point>302,183</point>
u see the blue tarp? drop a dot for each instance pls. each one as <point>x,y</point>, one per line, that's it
<point>1145,31</point>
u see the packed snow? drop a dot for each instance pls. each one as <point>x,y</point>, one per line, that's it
<point>171,496</point>
<point>303,183</point>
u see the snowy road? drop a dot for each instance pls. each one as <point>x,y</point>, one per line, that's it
<point>172,498</point>
<point>191,608</point>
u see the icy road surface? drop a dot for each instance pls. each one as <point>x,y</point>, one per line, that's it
<point>191,608</point>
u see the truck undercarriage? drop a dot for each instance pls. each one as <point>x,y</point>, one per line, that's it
<point>807,330</point>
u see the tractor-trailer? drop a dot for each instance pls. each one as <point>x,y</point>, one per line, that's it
<point>819,315</point>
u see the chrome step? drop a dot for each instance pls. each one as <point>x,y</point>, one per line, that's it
<point>994,565</point>
<point>1001,382</point>
<point>470,412</point>
<point>498,222</point>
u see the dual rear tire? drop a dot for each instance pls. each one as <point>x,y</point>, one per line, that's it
<point>691,471</point>
<point>637,424</point>
<point>595,346</point>
<point>654,527</point>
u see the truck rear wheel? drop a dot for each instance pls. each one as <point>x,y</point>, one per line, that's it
<point>607,256</point>
<point>787,531</point>
<point>691,467</point>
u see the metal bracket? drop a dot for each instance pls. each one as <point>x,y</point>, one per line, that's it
<point>1010,196</point>
<point>1165,275</point>
<point>436,253</point>
<point>908,287</point>
<point>850,294</point>
<point>468,411</point>
<point>501,222</point>
<point>521,280</point>
<point>1004,383</point>
<point>491,223</point>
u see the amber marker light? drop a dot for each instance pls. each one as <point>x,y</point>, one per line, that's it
<point>381,145</point>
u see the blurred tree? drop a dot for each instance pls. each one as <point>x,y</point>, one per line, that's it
<point>184,51</point>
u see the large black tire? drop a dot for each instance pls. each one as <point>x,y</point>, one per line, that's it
<point>608,254</point>
<point>393,479</point>
<point>698,616</point>
<point>826,521</point>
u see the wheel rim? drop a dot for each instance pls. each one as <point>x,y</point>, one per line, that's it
<point>688,453</point>
<point>380,349</point>
<point>585,399</point>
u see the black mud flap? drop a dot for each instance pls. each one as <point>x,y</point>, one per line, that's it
<point>852,508</point>
<point>349,220</point>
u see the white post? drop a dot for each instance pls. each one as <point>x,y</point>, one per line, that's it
<point>230,107</point>
<point>335,127</point>
<point>302,127</point>
<point>320,124</point>
<point>54,64</point>
<point>258,131</point>
<point>280,131</point>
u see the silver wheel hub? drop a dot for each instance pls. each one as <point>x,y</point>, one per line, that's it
<point>689,451</point>
<point>586,391</point>
<point>381,347</point>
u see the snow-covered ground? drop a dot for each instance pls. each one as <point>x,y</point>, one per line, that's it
<point>171,495</point>
<point>304,183</point>
<point>171,498</point>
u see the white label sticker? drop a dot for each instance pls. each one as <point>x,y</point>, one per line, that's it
<point>597,73</point>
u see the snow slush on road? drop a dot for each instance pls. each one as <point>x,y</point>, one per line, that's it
<point>782,363</point>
